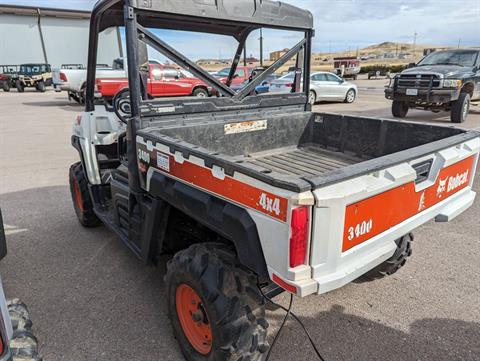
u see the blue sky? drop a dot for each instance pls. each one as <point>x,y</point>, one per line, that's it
<point>343,24</point>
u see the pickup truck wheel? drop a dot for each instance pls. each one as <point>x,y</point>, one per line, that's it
<point>19,86</point>
<point>460,108</point>
<point>350,96</point>
<point>399,109</point>
<point>215,307</point>
<point>24,345</point>
<point>82,202</point>
<point>394,263</point>
<point>40,87</point>
<point>6,87</point>
<point>200,92</point>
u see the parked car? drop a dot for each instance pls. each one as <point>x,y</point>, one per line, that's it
<point>264,87</point>
<point>324,86</point>
<point>162,81</point>
<point>242,74</point>
<point>446,80</point>
<point>380,72</point>
<point>8,76</point>
<point>34,75</point>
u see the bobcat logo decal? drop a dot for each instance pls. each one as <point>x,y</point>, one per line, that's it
<point>442,187</point>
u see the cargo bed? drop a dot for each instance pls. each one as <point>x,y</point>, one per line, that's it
<point>302,161</point>
<point>300,151</point>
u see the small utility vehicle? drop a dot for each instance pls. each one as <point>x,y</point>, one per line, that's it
<point>8,76</point>
<point>443,80</point>
<point>252,194</point>
<point>37,76</point>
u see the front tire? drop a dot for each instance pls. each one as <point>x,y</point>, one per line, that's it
<point>215,307</point>
<point>40,87</point>
<point>350,96</point>
<point>200,92</point>
<point>82,203</point>
<point>24,344</point>
<point>399,109</point>
<point>19,86</point>
<point>460,108</point>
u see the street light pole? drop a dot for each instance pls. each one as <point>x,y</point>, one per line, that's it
<point>415,45</point>
<point>261,47</point>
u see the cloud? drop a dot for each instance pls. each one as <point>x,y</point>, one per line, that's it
<point>341,24</point>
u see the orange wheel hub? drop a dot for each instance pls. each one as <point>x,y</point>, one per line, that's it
<point>78,195</point>
<point>193,319</point>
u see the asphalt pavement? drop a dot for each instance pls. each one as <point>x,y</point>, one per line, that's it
<point>91,299</point>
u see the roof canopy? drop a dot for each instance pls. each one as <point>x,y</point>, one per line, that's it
<point>211,16</point>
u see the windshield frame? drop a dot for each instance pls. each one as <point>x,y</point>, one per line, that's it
<point>424,61</point>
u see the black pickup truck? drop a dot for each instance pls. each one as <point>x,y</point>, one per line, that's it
<point>443,80</point>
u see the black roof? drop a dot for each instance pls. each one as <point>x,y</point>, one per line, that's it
<point>215,16</point>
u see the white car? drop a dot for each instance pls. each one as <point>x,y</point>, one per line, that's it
<point>324,86</point>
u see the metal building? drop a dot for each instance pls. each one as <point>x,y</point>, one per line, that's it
<point>54,36</point>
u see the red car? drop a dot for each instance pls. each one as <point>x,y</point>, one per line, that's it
<point>241,75</point>
<point>163,81</point>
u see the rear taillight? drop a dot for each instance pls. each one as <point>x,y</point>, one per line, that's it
<point>299,236</point>
<point>63,77</point>
<point>2,347</point>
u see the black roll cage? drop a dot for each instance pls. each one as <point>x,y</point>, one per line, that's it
<point>108,13</point>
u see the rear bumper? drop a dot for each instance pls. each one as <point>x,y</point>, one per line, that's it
<point>424,95</point>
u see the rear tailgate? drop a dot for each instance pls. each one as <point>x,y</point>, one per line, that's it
<point>356,222</point>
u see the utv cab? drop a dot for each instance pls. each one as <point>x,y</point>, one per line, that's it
<point>34,75</point>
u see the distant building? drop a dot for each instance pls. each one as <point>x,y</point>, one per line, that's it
<point>278,54</point>
<point>54,36</point>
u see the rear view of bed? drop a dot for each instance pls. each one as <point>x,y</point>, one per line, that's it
<point>294,146</point>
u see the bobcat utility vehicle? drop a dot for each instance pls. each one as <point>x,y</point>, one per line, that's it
<point>251,193</point>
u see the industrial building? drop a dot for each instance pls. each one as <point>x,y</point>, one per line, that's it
<point>53,36</point>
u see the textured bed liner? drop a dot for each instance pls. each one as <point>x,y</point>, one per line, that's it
<point>302,161</point>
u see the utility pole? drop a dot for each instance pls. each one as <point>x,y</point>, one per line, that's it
<point>459,41</point>
<point>329,47</point>
<point>261,47</point>
<point>245,54</point>
<point>415,45</point>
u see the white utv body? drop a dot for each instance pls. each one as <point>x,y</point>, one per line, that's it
<point>253,190</point>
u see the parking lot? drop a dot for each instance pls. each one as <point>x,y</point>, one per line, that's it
<point>91,299</point>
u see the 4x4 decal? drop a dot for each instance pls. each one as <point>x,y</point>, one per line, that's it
<point>228,187</point>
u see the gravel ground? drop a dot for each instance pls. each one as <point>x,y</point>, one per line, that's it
<point>91,299</point>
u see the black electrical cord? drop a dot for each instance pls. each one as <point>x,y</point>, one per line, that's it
<point>281,327</point>
<point>289,312</point>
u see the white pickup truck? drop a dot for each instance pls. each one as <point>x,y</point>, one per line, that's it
<point>73,79</point>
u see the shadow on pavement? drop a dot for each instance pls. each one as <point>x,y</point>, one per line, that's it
<point>62,104</point>
<point>342,336</point>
